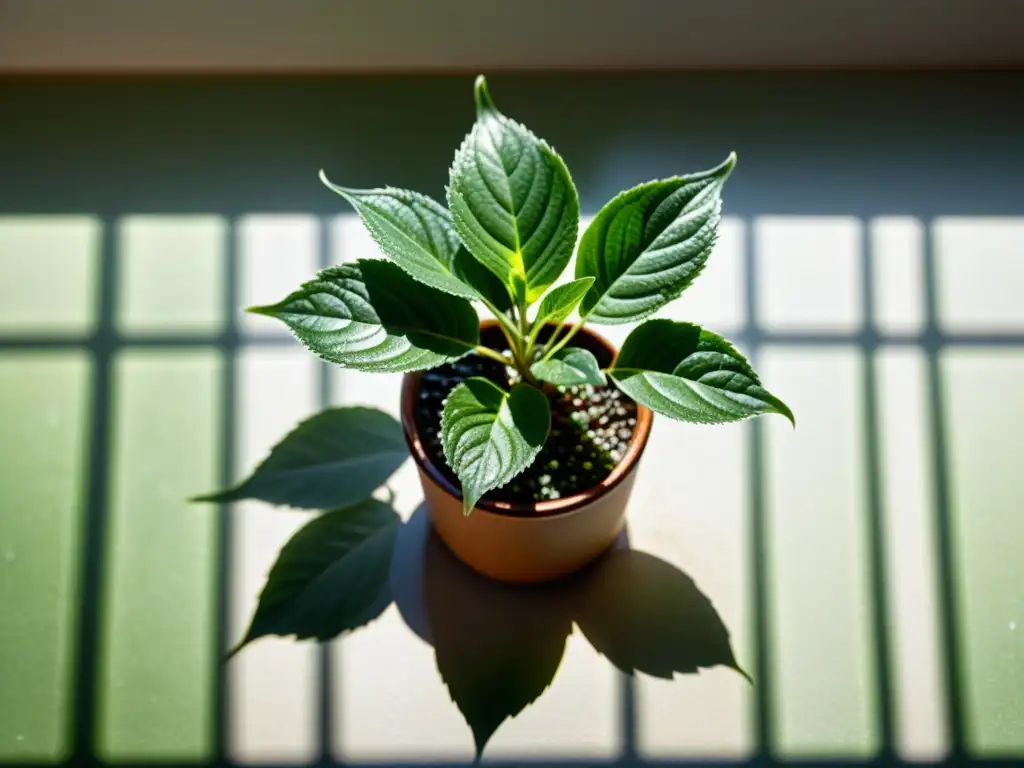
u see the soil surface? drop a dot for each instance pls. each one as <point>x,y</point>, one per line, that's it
<point>590,428</point>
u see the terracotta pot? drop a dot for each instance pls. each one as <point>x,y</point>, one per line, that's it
<point>528,542</point>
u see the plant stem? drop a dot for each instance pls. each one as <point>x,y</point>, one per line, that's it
<point>572,332</point>
<point>554,334</point>
<point>488,352</point>
<point>524,326</point>
<point>505,324</point>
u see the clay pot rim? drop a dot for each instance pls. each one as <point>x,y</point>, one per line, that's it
<point>539,509</point>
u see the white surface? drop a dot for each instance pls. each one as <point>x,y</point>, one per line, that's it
<point>376,35</point>
<point>980,267</point>
<point>272,682</point>
<point>985,421</point>
<point>820,632</point>
<point>897,244</point>
<point>49,264</point>
<point>171,274</point>
<point>907,501</point>
<point>808,273</point>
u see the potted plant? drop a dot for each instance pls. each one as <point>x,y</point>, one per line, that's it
<point>527,429</point>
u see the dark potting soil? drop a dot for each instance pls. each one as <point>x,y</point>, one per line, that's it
<point>590,430</point>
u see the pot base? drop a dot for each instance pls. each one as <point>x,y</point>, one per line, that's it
<point>528,549</point>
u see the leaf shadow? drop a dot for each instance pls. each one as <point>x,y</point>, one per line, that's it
<point>498,646</point>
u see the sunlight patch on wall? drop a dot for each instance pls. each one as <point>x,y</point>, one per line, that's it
<point>897,244</point>
<point>171,276</point>
<point>44,422</point>
<point>808,272</point>
<point>823,668</point>
<point>983,409</point>
<point>907,492</point>
<point>980,268</point>
<point>49,267</point>
<point>158,653</point>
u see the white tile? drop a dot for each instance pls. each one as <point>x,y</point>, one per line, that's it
<point>809,273</point>
<point>980,267</point>
<point>823,667</point>
<point>277,253</point>
<point>905,444</point>
<point>49,264</point>
<point>171,277</point>
<point>897,244</point>
<point>981,389</point>
<point>157,656</point>
<point>272,682</point>
<point>690,508</point>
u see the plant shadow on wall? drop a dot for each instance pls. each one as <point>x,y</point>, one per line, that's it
<point>497,646</point>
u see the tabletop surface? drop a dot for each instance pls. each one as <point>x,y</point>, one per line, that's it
<point>866,564</point>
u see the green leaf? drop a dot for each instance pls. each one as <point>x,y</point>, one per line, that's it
<point>649,243</point>
<point>559,303</point>
<point>685,372</point>
<point>331,577</point>
<point>490,435</point>
<point>569,366</point>
<point>372,316</point>
<point>333,459</point>
<point>513,202</point>
<point>497,646</point>
<point>417,234</point>
<point>645,615</point>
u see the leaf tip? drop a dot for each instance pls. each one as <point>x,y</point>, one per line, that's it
<point>342,190</point>
<point>725,168</point>
<point>235,651</point>
<point>741,672</point>
<point>484,102</point>
<point>265,310</point>
<point>784,410</point>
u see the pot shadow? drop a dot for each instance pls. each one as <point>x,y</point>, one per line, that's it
<point>498,646</point>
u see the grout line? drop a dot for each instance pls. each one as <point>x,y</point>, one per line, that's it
<point>876,531</point>
<point>943,531</point>
<point>326,650</point>
<point>225,549</point>
<point>928,339</point>
<point>86,702</point>
<point>628,718</point>
<point>759,571</point>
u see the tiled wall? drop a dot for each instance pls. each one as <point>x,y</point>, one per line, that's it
<point>866,563</point>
